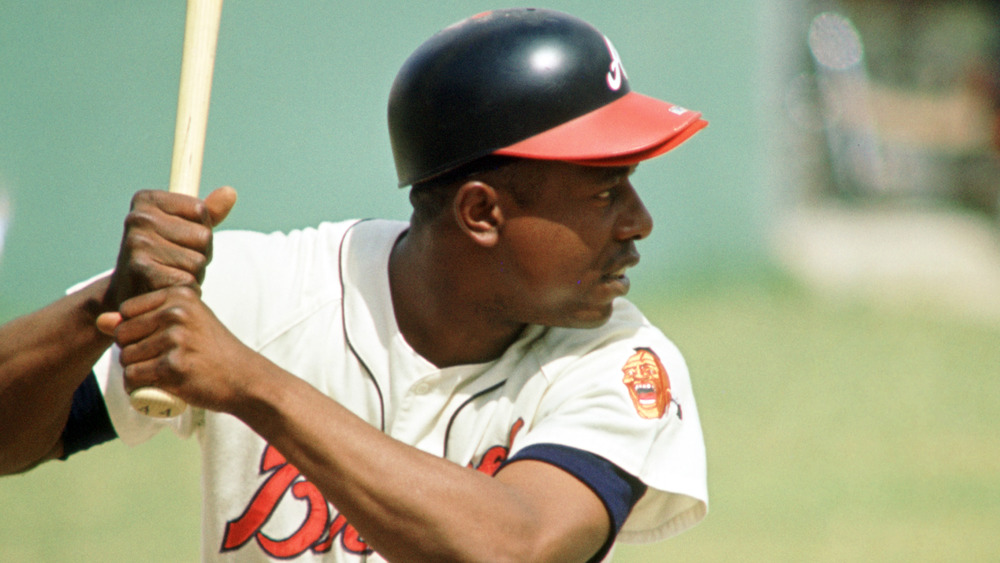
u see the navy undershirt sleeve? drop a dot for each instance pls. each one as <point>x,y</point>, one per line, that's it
<point>618,490</point>
<point>88,424</point>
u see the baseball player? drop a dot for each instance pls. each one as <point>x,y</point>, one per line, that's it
<point>468,385</point>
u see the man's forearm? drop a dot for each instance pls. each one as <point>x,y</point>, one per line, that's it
<point>44,356</point>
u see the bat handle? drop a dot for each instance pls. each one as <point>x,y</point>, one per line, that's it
<point>157,403</point>
<point>201,33</point>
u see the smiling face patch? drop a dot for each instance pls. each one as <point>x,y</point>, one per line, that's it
<point>647,383</point>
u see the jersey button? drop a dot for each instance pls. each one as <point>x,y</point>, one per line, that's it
<point>422,388</point>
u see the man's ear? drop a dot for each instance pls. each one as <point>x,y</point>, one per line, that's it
<point>477,212</point>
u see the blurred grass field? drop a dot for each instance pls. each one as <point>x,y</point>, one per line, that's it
<point>836,431</point>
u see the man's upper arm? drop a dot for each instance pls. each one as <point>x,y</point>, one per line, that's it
<point>88,424</point>
<point>581,498</point>
<point>571,516</point>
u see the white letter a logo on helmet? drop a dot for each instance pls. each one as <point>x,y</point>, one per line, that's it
<point>617,72</point>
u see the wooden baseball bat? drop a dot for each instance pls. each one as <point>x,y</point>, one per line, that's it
<point>201,33</point>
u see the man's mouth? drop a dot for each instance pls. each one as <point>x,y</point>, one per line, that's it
<point>623,264</point>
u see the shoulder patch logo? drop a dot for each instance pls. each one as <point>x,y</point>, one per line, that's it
<point>647,382</point>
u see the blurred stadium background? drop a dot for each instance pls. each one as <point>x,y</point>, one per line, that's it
<point>826,252</point>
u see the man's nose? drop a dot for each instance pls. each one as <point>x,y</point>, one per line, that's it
<point>636,223</point>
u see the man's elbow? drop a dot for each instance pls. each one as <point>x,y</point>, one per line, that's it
<point>15,460</point>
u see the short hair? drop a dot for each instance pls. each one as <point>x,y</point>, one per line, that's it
<point>431,197</point>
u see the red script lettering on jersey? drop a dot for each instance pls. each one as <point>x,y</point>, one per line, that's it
<point>317,532</point>
<point>495,456</point>
<point>322,525</point>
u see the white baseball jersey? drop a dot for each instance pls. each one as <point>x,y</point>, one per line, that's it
<point>317,303</point>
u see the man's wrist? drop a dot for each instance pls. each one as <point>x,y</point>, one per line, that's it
<point>95,302</point>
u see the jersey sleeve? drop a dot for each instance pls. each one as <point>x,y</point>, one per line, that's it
<point>628,399</point>
<point>88,424</point>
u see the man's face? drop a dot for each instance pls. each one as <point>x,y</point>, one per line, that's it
<point>562,255</point>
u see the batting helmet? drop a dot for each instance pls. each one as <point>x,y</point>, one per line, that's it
<point>525,83</point>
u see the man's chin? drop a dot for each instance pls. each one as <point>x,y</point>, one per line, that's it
<point>592,318</point>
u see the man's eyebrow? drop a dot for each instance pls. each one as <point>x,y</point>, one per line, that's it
<point>614,172</point>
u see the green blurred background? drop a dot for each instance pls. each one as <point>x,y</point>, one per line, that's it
<point>297,124</point>
<point>842,335</point>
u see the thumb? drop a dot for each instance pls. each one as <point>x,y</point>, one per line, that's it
<point>219,203</point>
<point>108,322</point>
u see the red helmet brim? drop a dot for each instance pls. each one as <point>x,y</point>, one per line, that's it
<point>626,131</point>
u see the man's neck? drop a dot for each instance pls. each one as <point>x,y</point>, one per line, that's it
<point>437,305</point>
